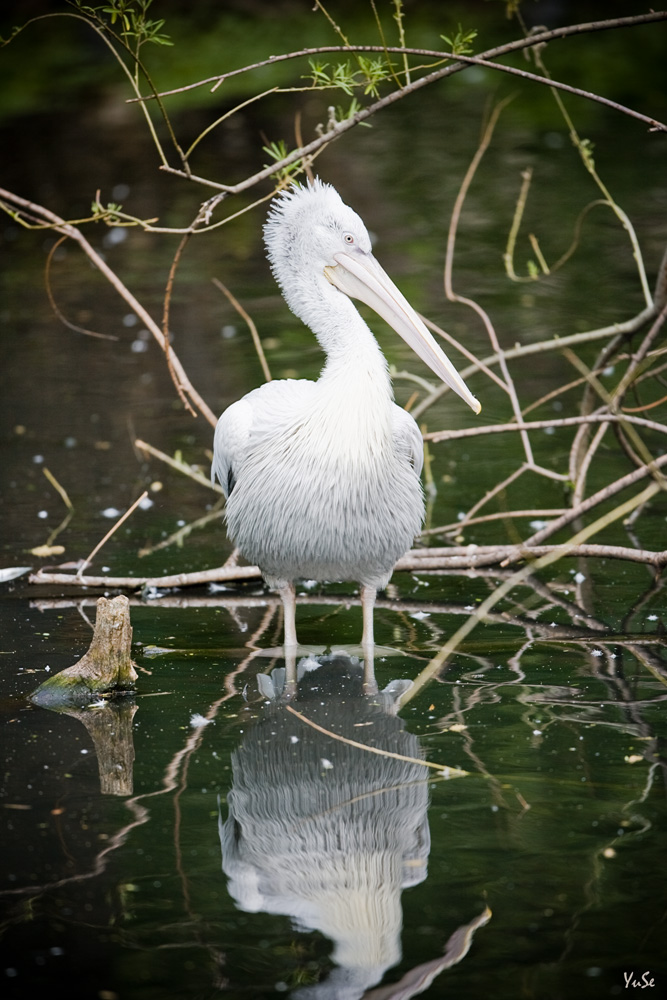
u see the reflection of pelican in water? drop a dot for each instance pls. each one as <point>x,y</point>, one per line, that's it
<point>325,832</point>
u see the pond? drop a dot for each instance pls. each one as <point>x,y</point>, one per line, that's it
<point>486,823</point>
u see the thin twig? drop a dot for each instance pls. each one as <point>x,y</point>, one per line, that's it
<point>584,465</point>
<point>48,549</point>
<point>556,422</point>
<point>298,136</point>
<point>251,326</point>
<point>110,532</point>
<point>167,348</point>
<point>178,537</point>
<point>60,489</point>
<point>180,466</point>
<point>499,515</point>
<point>508,256</point>
<point>52,301</point>
<point>443,655</point>
<point>450,772</point>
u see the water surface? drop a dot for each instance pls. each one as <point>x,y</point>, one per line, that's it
<point>554,705</point>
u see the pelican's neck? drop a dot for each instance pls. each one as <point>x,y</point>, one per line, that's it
<point>355,365</point>
<point>355,397</point>
<point>354,383</point>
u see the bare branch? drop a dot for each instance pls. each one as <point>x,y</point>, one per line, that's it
<point>67,229</point>
<point>110,532</point>
<point>615,331</point>
<point>464,557</point>
<point>604,494</point>
<point>592,418</point>
<point>472,556</point>
<point>460,62</point>
<point>179,466</point>
<point>251,326</point>
<point>537,39</point>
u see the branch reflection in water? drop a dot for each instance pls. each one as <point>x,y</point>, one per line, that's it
<point>322,831</point>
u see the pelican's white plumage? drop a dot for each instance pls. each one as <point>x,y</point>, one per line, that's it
<point>322,478</point>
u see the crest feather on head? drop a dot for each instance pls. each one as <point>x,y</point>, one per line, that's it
<point>307,226</point>
<point>289,206</point>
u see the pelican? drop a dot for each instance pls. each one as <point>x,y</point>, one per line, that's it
<point>322,478</point>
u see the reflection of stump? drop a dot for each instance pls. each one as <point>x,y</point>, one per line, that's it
<point>111,730</point>
<point>105,669</point>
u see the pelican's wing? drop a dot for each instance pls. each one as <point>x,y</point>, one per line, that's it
<point>230,442</point>
<point>263,413</point>
<point>408,438</point>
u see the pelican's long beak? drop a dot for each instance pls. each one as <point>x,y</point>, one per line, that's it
<point>361,277</point>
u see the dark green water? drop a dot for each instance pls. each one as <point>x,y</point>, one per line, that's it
<point>346,867</point>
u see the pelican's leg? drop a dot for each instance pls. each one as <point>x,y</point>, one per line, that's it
<point>370,684</point>
<point>288,597</point>
<point>367,639</point>
<point>290,673</point>
<point>367,605</point>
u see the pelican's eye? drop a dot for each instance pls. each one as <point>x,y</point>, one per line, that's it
<point>349,239</point>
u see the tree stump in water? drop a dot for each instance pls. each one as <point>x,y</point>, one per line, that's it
<point>106,669</point>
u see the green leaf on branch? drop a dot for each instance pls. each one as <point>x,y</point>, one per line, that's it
<point>461,43</point>
<point>370,73</point>
<point>132,18</point>
<point>374,71</point>
<point>278,151</point>
<point>586,147</point>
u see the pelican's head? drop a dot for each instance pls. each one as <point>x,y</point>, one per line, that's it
<point>307,225</point>
<point>316,243</point>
